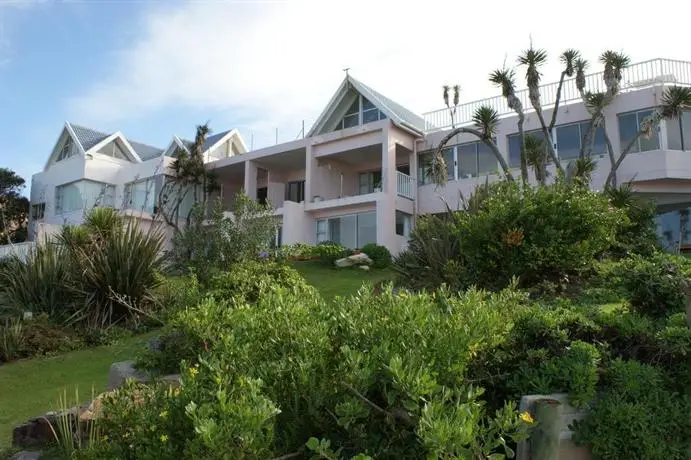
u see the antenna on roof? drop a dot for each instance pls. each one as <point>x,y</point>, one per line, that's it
<point>346,70</point>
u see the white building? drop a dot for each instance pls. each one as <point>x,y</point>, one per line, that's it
<point>358,176</point>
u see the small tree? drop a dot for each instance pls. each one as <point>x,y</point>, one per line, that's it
<point>14,208</point>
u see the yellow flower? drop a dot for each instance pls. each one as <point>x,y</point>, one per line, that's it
<point>163,414</point>
<point>193,372</point>
<point>164,437</point>
<point>527,418</point>
<point>105,438</point>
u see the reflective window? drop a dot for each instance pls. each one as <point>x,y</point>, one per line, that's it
<point>629,124</point>
<point>675,129</point>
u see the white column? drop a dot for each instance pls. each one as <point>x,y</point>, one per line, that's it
<point>310,174</point>
<point>251,179</point>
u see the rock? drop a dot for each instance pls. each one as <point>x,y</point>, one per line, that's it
<point>119,372</point>
<point>343,263</point>
<point>364,267</point>
<point>26,455</point>
<point>155,344</point>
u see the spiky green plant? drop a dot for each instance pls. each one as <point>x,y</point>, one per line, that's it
<point>568,58</point>
<point>615,62</point>
<point>39,283</point>
<point>103,222</point>
<point>119,276</point>
<point>536,156</point>
<point>505,79</point>
<point>581,65</point>
<point>12,339</point>
<point>486,120</point>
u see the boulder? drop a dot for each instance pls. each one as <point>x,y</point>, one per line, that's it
<point>344,262</point>
<point>119,372</point>
<point>356,259</point>
<point>364,267</point>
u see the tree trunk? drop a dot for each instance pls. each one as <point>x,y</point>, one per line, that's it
<point>610,153</point>
<point>613,172</point>
<point>548,140</point>
<point>500,158</point>
<point>553,122</point>
<point>524,160</point>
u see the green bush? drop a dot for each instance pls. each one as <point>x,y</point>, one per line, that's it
<point>380,255</point>
<point>12,340</point>
<point>36,337</point>
<point>378,375</point>
<point>329,252</point>
<point>655,284</point>
<point>637,417</point>
<point>639,234</point>
<point>538,234</point>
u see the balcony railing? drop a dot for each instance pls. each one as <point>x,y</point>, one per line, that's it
<point>404,185</point>
<point>656,72</point>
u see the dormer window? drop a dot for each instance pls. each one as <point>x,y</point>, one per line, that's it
<point>360,109</point>
<point>66,151</point>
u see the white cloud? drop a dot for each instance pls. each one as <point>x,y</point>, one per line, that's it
<point>272,64</point>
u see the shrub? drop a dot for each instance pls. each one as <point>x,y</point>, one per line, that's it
<point>329,252</point>
<point>533,234</point>
<point>12,339</point>
<point>639,234</point>
<point>637,417</point>
<point>655,284</point>
<point>380,255</point>
<point>41,283</point>
<point>377,375</point>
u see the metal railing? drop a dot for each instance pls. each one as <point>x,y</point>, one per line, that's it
<point>655,72</point>
<point>404,185</point>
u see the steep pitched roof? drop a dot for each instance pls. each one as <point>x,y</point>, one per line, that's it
<point>88,137</point>
<point>211,140</point>
<point>399,115</point>
<point>145,152</point>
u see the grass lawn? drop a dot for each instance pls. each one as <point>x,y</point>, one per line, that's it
<point>333,282</point>
<point>32,387</point>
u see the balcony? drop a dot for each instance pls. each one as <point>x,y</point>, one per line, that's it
<point>404,185</point>
<point>656,72</point>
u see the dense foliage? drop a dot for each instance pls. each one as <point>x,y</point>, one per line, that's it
<point>380,255</point>
<point>539,234</point>
<point>383,376</point>
<point>14,208</point>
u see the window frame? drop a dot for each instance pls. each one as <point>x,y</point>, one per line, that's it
<point>300,190</point>
<point>60,198</point>
<point>326,235</point>
<point>637,113</point>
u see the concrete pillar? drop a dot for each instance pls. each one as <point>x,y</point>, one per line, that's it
<point>310,174</point>
<point>386,203</point>
<point>251,179</point>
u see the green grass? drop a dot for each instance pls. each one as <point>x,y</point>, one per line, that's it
<point>32,387</point>
<point>332,282</point>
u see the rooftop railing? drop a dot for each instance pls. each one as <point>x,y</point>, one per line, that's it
<point>656,72</point>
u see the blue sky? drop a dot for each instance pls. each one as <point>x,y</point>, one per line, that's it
<point>152,69</point>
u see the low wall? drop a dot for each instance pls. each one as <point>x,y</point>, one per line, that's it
<point>19,249</point>
<point>568,450</point>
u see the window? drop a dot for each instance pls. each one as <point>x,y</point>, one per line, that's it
<point>569,139</point>
<point>38,211</point>
<point>629,124</point>
<point>295,191</point>
<point>403,224</point>
<point>83,195</point>
<point>262,194</point>
<point>67,150</point>
<point>352,231</point>
<point>463,161</point>
<point>679,132</point>
<point>113,150</point>
<point>368,181</point>
<point>514,141</point>
<point>674,229</point>
<point>141,195</point>
<point>370,113</point>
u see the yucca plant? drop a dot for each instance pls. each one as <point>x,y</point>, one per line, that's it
<point>12,340</point>
<point>119,276</point>
<point>71,433</point>
<point>39,283</point>
<point>103,222</point>
<point>506,80</point>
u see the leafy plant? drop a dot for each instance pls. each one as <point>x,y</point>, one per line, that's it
<point>380,255</point>
<point>12,339</point>
<point>329,252</point>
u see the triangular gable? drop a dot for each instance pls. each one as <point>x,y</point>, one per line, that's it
<point>66,146</point>
<point>232,138</point>
<point>338,109</point>
<point>122,143</point>
<point>175,144</point>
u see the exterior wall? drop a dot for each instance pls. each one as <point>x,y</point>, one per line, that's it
<point>298,226</point>
<point>655,164</point>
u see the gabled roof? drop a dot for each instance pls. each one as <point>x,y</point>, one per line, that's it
<point>87,137</point>
<point>146,152</point>
<point>212,140</point>
<point>399,115</point>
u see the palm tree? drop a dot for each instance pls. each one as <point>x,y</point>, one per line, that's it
<point>536,156</point>
<point>485,121</point>
<point>533,59</point>
<point>505,79</point>
<point>674,101</point>
<point>615,62</point>
<point>568,58</point>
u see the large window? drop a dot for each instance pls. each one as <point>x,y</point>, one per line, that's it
<point>463,161</point>
<point>368,182</point>
<point>568,139</point>
<point>141,195</point>
<point>295,191</point>
<point>83,195</point>
<point>352,231</point>
<point>679,132</point>
<point>360,109</point>
<point>68,149</point>
<point>674,230</point>
<point>629,124</point>
<point>404,223</point>
<point>38,211</point>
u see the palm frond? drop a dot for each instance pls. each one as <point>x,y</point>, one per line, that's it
<point>595,102</point>
<point>568,58</point>
<point>456,94</point>
<point>581,65</point>
<point>675,100</point>
<point>533,59</point>
<point>505,79</point>
<point>486,119</point>
<point>535,151</point>
<point>446,89</point>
